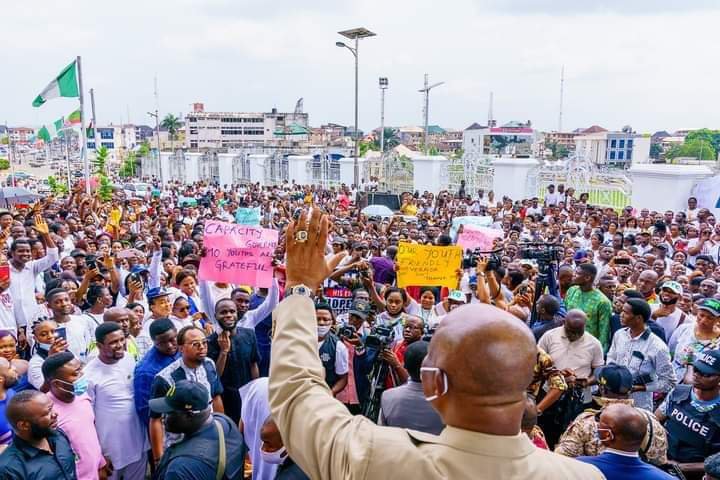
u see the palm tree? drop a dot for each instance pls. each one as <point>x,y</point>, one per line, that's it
<point>391,139</point>
<point>172,124</point>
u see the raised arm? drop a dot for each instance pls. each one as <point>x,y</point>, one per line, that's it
<point>52,254</point>
<point>253,317</point>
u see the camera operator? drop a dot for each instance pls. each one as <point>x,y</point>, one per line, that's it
<point>333,352</point>
<point>360,360</point>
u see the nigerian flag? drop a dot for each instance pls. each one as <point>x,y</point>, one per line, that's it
<point>73,118</point>
<point>65,85</point>
<point>44,134</point>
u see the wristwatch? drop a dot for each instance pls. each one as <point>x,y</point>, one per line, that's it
<point>300,289</point>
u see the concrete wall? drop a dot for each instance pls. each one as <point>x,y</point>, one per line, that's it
<point>511,175</point>
<point>664,187</point>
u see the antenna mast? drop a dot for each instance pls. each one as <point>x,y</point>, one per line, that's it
<point>562,91</point>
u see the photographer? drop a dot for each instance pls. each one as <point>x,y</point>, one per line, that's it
<point>360,359</point>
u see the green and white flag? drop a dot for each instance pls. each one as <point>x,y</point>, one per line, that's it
<point>65,85</point>
<point>48,133</point>
<point>44,134</point>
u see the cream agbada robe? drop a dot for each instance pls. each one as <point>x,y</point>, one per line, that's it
<point>327,442</point>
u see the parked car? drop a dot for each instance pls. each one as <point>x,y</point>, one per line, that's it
<point>137,190</point>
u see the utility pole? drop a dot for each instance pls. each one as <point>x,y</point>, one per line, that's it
<point>562,92</point>
<point>83,134</point>
<point>11,153</point>
<point>383,86</point>
<point>491,120</point>
<point>426,90</point>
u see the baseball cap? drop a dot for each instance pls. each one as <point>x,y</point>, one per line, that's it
<point>338,241</point>
<point>138,269</point>
<point>156,292</point>
<point>674,286</point>
<point>580,255</point>
<point>616,378</point>
<point>184,396</point>
<point>710,305</point>
<point>78,253</point>
<point>707,362</point>
<point>456,296</point>
<point>361,308</point>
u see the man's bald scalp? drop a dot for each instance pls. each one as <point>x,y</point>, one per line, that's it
<point>486,352</point>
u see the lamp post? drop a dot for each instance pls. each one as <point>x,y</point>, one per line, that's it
<point>426,90</point>
<point>383,81</point>
<point>156,116</point>
<point>355,34</point>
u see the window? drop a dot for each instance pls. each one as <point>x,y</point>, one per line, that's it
<point>108,144</point>
<point>629,155</point>
<point>612,155</point>
<point>629,143</point>
<point>192,119</point>
<point>106,134</point>
<point>193,144</point>
<point>622,143</point>
<point>613,143</point>
<point>621,155</point>
<point>193,131</point>
<point>91,145</point>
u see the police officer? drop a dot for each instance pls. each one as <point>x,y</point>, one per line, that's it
<point>691,413</point>
<point>333,353</point>
<point>211,448</point>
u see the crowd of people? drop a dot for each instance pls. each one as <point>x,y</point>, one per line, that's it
<point>588,332</point>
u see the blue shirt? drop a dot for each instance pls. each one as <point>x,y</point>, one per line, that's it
<point>22,461</point>
<point>6,434</point>
<point>145,371</point>
<point>620,467</point>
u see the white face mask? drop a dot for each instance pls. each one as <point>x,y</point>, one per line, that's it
<point>323,330</point>
<point>445,382</point>
<point>276,458</point>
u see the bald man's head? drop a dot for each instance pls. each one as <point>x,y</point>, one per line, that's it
<point>486,352</point>
<point>627,424</point>
<point>574,326</point>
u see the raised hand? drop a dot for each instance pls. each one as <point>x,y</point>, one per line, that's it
<point>41,225</point>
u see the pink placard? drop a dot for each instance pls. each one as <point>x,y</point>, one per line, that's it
<point>478,237</point>
<point>238,254</point>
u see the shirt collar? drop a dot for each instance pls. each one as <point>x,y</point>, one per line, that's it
<point>621,452</point>
<point>30,451</point>
<point>503,446</point>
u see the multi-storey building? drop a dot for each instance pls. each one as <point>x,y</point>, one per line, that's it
<point>619,149</point>
<point>205,130</point>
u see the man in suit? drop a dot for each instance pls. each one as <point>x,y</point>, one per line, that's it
<point>478,367</point>
<point>621,429</point>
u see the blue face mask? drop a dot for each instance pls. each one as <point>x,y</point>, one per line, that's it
<point>44,346</point>
<point>79,386</point>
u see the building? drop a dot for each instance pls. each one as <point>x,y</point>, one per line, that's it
<point>21,135</point>
<point>476,139</point>
<point>206,130</point>
<point>564,139</point>
<point>615,149</point>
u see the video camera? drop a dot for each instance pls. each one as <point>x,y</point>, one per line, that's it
<point>471,257</point>
<point>346,331</point>
<point>380,337</point>
<point>544,253</point>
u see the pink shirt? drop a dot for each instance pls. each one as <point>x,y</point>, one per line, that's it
<point>77,420</point>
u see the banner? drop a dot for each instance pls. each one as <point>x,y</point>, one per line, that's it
<point>468,220</point>
<point>248,216</point>
<point>339,298</point>
<point>478,237</point>
<point>428,265</point>
<point>238,254</point>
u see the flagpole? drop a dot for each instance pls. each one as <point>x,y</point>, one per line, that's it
<point>83,134</point>
<point>93,121</point>
<point>10,153</point>
<point>66,141</point>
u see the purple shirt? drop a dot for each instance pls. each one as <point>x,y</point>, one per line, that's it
<point>77,420</point>
<point>384,269</point>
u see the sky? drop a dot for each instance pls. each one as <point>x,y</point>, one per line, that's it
<point>644,63</point>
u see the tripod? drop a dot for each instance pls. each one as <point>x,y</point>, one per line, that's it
<point>545,278</point>
<point>378,378</point>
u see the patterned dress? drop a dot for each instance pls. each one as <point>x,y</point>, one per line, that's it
<point>598,309</point>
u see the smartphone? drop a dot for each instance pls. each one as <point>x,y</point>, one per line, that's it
<point>622,261</point>
<point>61,332</point>
<point>91,265</point>
<point>4,272</point>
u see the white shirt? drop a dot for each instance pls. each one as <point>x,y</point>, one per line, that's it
<point>22,284</point>
<point>110,388</point>
<point>552,198</point>
<point>341,357</point>
<point>79,335</point>
<point>669,323</point>
<point>7,312</point>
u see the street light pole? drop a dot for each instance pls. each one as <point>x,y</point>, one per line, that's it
<point>157,135</point>
<point>355,34</point>
<point>426,90</point>
<point>383,87</point>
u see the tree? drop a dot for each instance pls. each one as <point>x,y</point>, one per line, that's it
<point>56,187</point>
<point>127,169</point>
<point>698,148</point>
<point>5,140</point>
<point>557,150</point>
<point>4,164</point>
<point>144,149</point>
<point>711,136</point>
<point>105,189</point>
<point>100,161</point>
<point>391,139</point>
<point>172,124</point>
<point>655,151</point>
<point>364,147</point>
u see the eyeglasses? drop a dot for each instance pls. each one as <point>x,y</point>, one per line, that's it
<point>199,344</point>
<point>183,309</point>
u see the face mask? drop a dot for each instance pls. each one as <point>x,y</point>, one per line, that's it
<point>79,386</point>
<point>323,330</point>
<point>275,458</point>
<point>445,382</point>
<point>44,346</point>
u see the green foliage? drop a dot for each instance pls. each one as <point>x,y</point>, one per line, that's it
<point>391,139</point>
<point>144,149</point>
<point>557,150</point>
<point>433,150</point>
<point>5,140</point>
<point>105,189</point>
<point>57,188</point>
<point>710,136</point>
<point>127,169</point>
<point>172,124</point>
<point>695,148</point>
<point>100,161</point>
<point>364,147</point>
<point>655,150</point>
<point>4,164</point>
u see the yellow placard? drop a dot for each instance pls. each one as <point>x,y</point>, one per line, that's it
<point>428,265</point>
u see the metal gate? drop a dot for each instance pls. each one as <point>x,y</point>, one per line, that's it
<point>208,169</point>
<point>241,167</point>
<point>276,169</point>
<point>398,175</point>
<point>176,162</point>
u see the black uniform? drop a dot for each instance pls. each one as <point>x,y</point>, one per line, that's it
<point>693,434</point>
